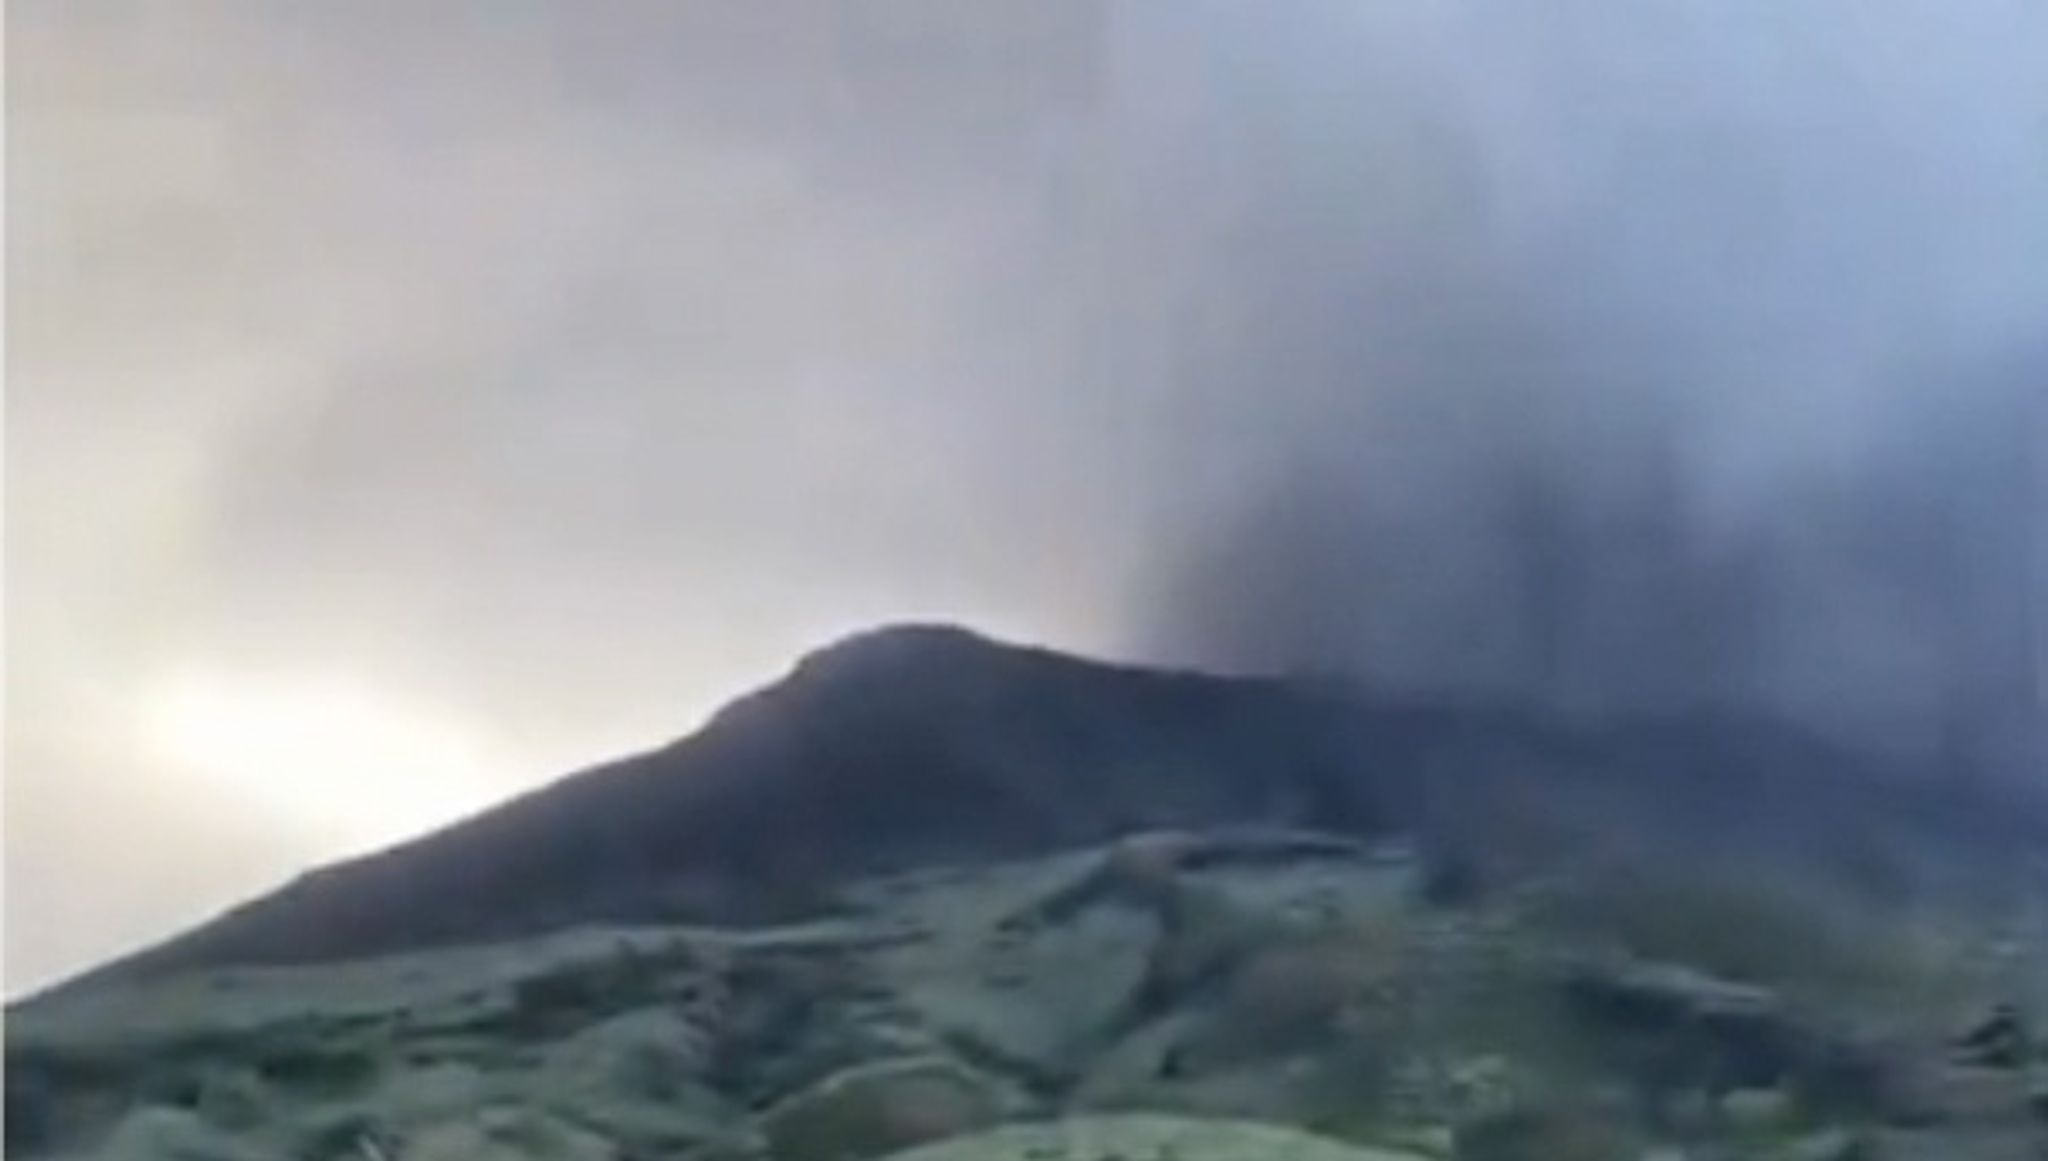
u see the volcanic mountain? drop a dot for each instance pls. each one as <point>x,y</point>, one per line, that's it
<point>924,745</point>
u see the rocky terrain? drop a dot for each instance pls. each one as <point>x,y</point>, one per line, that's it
<point>944,900</point>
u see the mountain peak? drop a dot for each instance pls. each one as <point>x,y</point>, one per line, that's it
<point>898,647</point>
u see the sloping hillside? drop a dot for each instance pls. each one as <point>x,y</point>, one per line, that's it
<point>926,745</point>
<point>1242,993</point>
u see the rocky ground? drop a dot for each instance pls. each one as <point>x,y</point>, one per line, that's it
<point>1206,996</point>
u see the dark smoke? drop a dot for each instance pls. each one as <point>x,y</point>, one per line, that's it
<point>1614,356</point>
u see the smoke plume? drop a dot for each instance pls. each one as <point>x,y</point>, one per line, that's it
<point>1615,356</point>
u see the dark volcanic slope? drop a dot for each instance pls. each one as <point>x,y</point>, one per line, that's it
<point>923,744</point>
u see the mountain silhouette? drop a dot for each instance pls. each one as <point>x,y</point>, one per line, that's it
<point>922,745</point>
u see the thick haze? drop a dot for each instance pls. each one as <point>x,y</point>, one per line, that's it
<point>409,401</point>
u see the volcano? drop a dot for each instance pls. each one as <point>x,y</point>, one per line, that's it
<point>921,745</point>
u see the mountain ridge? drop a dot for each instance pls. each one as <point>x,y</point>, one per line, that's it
<point>921,744</point>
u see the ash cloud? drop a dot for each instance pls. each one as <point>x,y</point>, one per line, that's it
<point>1627,357</point>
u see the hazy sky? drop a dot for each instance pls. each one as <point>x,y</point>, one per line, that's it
<point>410,401</point>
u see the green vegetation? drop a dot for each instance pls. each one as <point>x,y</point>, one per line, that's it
<point>1740,925</point>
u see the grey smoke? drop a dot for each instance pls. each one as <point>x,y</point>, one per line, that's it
<point>1626,356</point>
